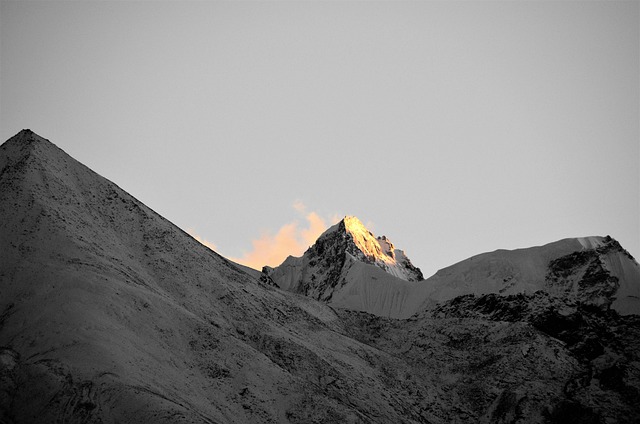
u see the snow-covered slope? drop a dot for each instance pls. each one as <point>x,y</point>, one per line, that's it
<point>594,270</point>
<point>350,268</point>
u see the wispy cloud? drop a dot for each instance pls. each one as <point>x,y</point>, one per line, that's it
<point>291,239</point>
<point>207,243</point>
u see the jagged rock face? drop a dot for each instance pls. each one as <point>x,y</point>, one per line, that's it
<point>321,271</point>
<point>365,247</point>
<point>602,275</point>
<point>606,385</point>
<point>587,275</point>
<point>516,359</point>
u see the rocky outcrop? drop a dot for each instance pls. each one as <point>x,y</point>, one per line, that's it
<point>605,385</point>
<point>536,368</point>
<point>588,276</point>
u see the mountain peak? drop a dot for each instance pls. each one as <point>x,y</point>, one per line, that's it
<point>27,132</point>
<point>24,145</point>
<point>366,247</point>
<point>25,136</point>
<point>361,236</point>
<point>352,223</point>
<point>324,267</point>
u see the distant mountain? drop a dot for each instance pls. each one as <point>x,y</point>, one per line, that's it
<point>349,268</point>
<point>344,255</point>
<point>111,314</point>
<point>593,270</point>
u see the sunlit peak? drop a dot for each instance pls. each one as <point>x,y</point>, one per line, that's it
<point>367,242</point>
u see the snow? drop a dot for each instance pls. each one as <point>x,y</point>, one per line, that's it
<point>289,274</point>
<point>628,273</point>
<point>590,242</point>
<point>370,289</point>
<point>377,282</point>
<point>378,250</point>
<point>524,271</point>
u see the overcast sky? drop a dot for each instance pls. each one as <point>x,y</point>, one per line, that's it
<point>453,128</point>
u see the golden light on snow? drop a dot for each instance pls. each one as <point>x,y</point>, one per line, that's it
<point>367,242</point>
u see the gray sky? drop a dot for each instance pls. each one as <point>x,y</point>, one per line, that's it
<point>454,128</point>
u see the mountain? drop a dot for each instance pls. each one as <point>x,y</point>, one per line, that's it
<point>109,313</point>
<point>592,353</point>
<point>594,270</point>
<point>345,256</point>
<point>349,268</point>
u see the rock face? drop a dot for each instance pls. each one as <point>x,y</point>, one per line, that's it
<point>518,358</point>
<point>111,314</point>
<point>343,258</point>
<point>351,236</point>
<point>605,344</point>
<point>590,269</point>
<point>605,276</point>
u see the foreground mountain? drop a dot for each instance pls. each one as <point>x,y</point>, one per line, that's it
<point>109,313</point>
<point>341,270</point>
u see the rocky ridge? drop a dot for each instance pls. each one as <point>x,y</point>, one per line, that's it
<point>344,269</point>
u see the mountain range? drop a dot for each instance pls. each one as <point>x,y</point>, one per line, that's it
<point>109,313</point>
<point>350,268</point>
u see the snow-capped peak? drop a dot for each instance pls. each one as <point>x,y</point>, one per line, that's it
<point>377,251</point>
<point>364,239</point>
<point>344,257</point>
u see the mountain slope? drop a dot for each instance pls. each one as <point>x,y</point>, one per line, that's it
<point>587,361</point>
<point>591,269</point>
<point>111,314</point>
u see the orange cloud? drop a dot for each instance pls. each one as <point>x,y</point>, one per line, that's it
<point>207,243</point>
<point>291,239</point>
